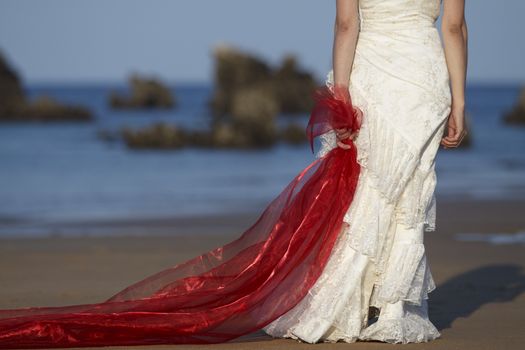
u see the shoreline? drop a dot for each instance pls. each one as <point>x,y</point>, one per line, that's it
<point>232,223</point>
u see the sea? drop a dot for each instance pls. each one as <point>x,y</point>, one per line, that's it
<point>52,173</point>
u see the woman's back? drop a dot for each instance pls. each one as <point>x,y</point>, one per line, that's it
<point>393,14</point>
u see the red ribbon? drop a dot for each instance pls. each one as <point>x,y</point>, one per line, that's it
<point>333,110</point>
<point>231,290</point>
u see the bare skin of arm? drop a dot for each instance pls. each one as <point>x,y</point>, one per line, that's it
<point>346,30</point>
<point>454,33</point>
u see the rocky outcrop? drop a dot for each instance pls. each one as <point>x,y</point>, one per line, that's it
<point>293,87</point>
<point>46,108</point>
<point>157,136</point>
<point>517,114</point>
<point>144,93</point>
<point>15,107</point>
<point>288,86</point>
<point>11,93</point>
<point>248,96</point>
<point>293,134</point>
<point>245,134</point>
<point>246,104</point>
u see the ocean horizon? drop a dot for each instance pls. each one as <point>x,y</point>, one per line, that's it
<point>65,172</point>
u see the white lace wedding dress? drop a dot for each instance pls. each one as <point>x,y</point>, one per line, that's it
<point>400,81</point>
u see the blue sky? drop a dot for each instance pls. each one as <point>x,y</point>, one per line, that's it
<point>104,40</point>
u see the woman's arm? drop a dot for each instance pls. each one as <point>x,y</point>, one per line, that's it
<point>346,30</point>
<point>454,32</point>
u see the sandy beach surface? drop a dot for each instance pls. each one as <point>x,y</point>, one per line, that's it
<point>479,302</point>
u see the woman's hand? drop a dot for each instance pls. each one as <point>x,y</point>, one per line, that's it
<point>456,129</point>
<point>343,134</point>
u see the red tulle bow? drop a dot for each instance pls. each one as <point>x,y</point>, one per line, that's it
<point>231,290</point>
<point>333,110</point>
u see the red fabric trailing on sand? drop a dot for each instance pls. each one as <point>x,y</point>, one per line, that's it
<point>229,291</point>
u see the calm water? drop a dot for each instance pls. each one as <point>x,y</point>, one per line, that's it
<point>63,172</point>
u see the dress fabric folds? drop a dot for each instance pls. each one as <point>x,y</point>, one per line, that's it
<point>400,81</point>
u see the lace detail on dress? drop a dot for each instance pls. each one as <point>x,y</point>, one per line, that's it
<point>393,163</point>
<point>328,141</point>
<point>410,280</point>
<point>410,326</point>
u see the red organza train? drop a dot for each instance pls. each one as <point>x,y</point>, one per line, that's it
<point>229,291</point>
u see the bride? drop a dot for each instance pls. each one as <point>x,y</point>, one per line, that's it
<point>399,78</point>
<point>342,245</point>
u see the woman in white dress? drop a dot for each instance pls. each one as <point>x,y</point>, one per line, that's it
<point>410,88</point>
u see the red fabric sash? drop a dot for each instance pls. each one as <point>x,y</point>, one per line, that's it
<point>229,291</point>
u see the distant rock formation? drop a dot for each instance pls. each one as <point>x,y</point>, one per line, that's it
<point>228,135</point>
<point>145,93</point>
<point>158,136</point>
<point>252,121</point>
<point>15,107</point>
<point>11,94</point>
<point>46,108</point>
<point>234,71</point>
<point>517,114</point>
<point>294,134</point>
<point>293,87</point>
<point>248,96</point>
<point>289,87</point>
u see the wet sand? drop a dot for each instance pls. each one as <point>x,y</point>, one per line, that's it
<point>479,302</point>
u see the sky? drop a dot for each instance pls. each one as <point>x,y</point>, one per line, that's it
<point>105,40</point>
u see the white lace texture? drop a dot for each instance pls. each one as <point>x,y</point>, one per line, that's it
<point>400,81</point>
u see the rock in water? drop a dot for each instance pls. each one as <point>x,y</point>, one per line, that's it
<point>234,71</point>
<point>294,134</point>
<point>11,93</point>
<point>46,108</point>
<point>15,107</point>
<point>293,87</point>
<point>289,86</point>
<point>249,94</point>
<point>517,114</point>
<point>145,93</point>
<point>156,136</point>
<point>254,103</point>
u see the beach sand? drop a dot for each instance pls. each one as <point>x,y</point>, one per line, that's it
<point>479,302</point>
